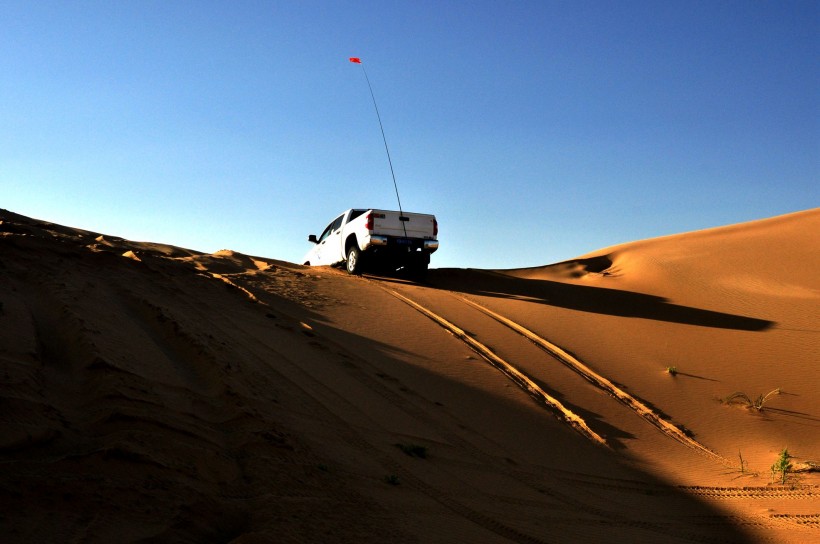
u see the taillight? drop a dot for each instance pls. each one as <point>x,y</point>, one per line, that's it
<point>435,227</point>
<point>368,221</point>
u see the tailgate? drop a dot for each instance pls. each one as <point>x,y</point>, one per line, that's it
<point>417,225</point>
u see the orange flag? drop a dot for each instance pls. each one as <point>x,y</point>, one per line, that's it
<point>357,60</point>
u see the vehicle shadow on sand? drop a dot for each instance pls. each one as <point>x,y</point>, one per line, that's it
<point>599,300</point>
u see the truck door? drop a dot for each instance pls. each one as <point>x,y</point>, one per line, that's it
<point>329,250</point>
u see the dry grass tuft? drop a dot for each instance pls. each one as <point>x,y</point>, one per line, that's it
<point>744,399</point>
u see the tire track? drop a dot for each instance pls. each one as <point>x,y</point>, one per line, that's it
<point>353,437</point>
<point>600,382</point>
<point>519,378</point>
<point>806,520</point>
<point>809,492</point>
<point>355,366</point>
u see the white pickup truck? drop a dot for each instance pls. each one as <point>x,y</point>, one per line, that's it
<point>380,240</point>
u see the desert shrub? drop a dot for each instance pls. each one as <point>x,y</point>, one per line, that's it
<point>782,466</point>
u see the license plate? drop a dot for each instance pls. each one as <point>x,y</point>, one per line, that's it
<point>403,241</point>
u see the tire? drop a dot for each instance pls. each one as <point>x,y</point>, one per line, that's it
<point>354,260</point>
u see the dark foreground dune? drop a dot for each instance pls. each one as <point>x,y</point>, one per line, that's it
<point>153,393</point>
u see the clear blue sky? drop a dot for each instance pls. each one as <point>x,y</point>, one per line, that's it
<point>535,131</point>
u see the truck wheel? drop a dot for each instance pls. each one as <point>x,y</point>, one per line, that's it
<point>354,260</point>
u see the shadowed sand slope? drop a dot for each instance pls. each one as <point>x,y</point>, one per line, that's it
<point>154,393</point>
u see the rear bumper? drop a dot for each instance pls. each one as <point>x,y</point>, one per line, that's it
<point>400,244</point>
<point>375,241</point>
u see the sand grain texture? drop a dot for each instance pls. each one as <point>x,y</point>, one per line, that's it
<point>155,393</point>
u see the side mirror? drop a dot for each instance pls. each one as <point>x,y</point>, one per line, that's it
<point>312,238</point>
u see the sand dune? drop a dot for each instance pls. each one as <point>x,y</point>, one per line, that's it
<point>156,393</point>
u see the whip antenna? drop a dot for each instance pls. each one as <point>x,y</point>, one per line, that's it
<point>357,60</point>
